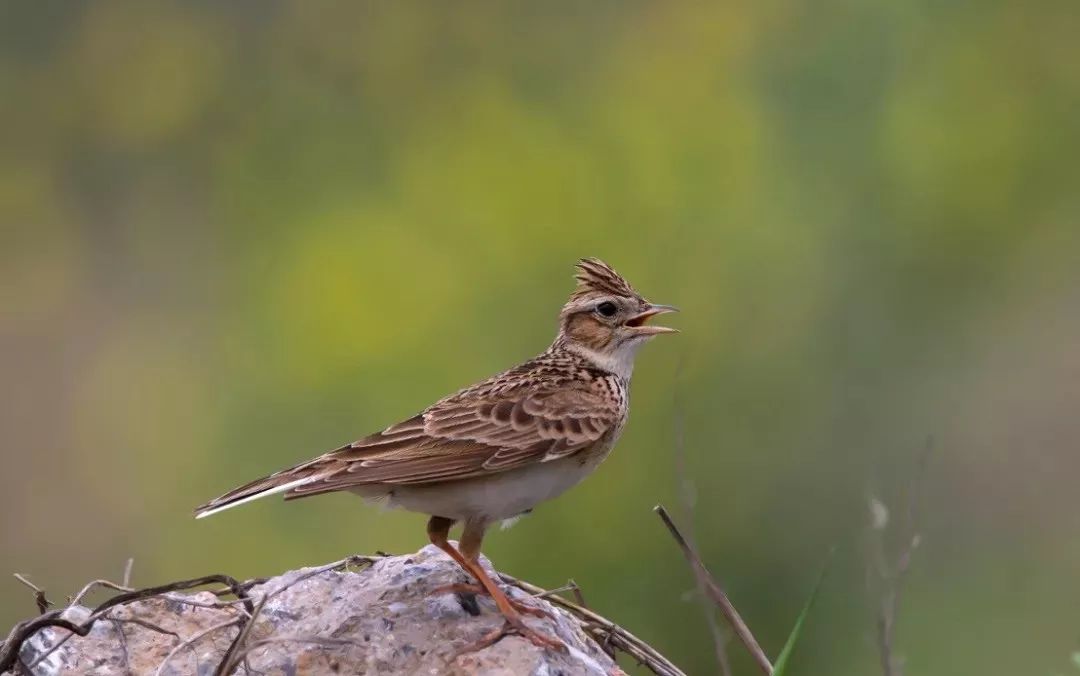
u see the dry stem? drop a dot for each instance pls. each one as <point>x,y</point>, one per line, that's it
<point>891,577</point>
<point>717,594</point>
<point>687,497</point>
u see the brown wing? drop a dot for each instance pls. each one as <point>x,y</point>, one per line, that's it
<point>470,434</point>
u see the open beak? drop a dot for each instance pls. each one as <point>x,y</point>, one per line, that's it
<point>639,322</point>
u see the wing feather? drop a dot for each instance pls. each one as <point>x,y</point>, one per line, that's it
<point>529,414</point>
<point>471,434</point>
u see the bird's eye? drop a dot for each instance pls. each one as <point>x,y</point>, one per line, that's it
<point>607,308</point>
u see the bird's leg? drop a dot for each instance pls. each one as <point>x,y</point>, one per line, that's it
<point>471,539</point>
<point>477,589</point>
<point>438,532</point>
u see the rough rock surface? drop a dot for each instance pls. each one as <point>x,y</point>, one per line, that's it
<point>384,619</point>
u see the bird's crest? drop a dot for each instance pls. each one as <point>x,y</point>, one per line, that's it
<point>595,277</point>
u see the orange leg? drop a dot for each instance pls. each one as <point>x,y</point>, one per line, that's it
<point>469,549</point>
<point>468,558</point>
<point>476,589</point>
<point>438,530</point>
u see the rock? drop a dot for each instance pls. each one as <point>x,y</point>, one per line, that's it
<point>383,619</point>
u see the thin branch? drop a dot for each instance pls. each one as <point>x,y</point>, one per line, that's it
<point>355,560</point>
<point>687,498</point>
<point>42,602</point>
<point>190,643</point>
<point>602,629</point>
<point>570,586</point>
<point>891,578</point>
<point>216,605</point>
<point>52,619</point>
<point>131,596</point>
<point>235,652</point>
<point>90,586</point>
<point>314,640</point>
<point>146,625</point>
<point>579,595</point>
<point>123,644</point>
<point>22,631</point>
<point>127,572</point>
<point>717,594</point>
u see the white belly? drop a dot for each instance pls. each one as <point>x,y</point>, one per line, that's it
<point>490,498</point>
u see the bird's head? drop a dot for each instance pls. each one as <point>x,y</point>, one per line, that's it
<point>606,320</point>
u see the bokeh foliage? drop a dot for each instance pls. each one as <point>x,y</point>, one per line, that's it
<point>233,235</point>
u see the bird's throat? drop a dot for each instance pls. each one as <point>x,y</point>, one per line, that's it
<point>619,361</point>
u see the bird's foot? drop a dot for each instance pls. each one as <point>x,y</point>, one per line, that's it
<point>515,626</point>
<point>475,589</point>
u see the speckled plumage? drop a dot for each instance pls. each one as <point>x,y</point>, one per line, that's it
<point>557,405</point>
<point>496,449</point>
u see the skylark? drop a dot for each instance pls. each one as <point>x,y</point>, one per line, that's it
<point>497,449</point>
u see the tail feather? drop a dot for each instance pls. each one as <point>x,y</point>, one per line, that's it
<point>260,488</point>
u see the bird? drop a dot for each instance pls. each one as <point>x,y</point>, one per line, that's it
<point>491,452</point>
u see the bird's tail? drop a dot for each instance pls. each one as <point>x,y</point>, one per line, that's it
<point>279,482</point>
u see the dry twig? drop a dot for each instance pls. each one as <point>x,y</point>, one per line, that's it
<point>146,625</point>
<point>687,497</point>
<point>127,572</point>
<point>604,630</point>
<point>39,594</point>
<point>314,640</point>
<point>190,643</point>
<point>123,644</point>
<point>891,577</point>
<point>90,586</point>
<point>235,651</point>
<point>21,632</point>
<point>717,594</point>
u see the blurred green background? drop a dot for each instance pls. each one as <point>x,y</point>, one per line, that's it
<point>235,235</point>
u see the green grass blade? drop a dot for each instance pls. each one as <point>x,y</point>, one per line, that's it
<point>785,655</point>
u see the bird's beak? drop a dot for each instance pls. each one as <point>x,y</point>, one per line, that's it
<point>639,322</point>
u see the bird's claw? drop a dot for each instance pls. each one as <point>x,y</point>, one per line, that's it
<point>464,588</point>
<point>515,626</point>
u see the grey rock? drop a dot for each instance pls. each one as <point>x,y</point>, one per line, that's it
<point>384,619</point>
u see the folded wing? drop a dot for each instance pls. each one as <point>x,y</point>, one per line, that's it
<point>467,435</point>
